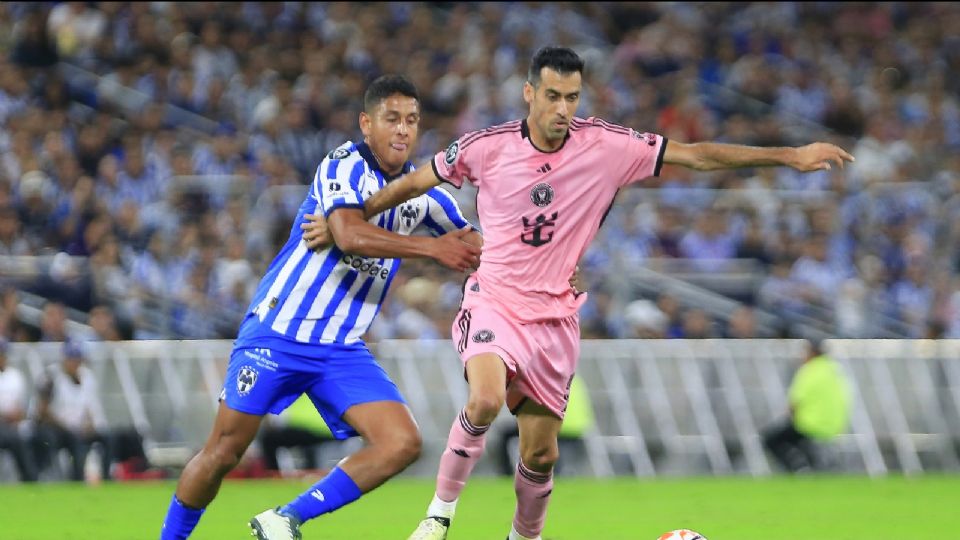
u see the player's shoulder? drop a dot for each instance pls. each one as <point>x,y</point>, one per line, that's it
<point>490,134</point>
<point>347,151</point>
<point>340,162</point>
<point>598,126</point>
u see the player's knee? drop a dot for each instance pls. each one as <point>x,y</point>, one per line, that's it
<point>223,458</point>
<point>402,449</point>
<point>482,409</point>
<point>407,448</point>
<point>540,459</point>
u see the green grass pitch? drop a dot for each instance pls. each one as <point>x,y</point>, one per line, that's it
<point>807,508</point>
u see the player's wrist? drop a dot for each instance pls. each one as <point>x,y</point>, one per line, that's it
<point>791,157</point>
<point>431,248</point>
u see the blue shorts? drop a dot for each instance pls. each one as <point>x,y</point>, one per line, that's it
<point>337,377</point>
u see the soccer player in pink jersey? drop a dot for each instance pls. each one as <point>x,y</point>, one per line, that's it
<point>544,186</point>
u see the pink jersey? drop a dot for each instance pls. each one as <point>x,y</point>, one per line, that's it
<point>540,210</point>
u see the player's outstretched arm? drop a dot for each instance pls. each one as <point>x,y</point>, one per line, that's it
<point>709,156</point>
<point>317,235</point>
<point>402,189</point>
<point>353,234</point>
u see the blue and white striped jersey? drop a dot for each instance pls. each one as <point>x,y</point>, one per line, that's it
<point>307,298</point>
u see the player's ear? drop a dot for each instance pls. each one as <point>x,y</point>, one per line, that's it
<point>366,123</point>
<point>528,92</point>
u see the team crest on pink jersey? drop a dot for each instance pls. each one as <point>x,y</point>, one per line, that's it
<point>541,194</point>
<point>483,336</point>
<point>451,154</point>
<point>648,138</point>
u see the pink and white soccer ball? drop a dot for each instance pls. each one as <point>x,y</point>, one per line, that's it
<point>682,534</point>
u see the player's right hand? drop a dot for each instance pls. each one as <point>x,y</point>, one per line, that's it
<point>819,156</point>
<point>315,232</point>
<point>451,251</point>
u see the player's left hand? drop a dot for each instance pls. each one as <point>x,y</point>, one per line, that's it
<point>818,157</point>
<point>315,232</point>
<point>576,282</point>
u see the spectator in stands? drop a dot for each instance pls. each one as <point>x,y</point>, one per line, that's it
<point>11,242</point>
<point>670,306</point>
<point>299,427</point>
<point>13,409</point>
<point>10,325</point>
<point>104,324</point>
<point>76,27</point>
<point>914,297</point>
<point>53,322</point>
<point>644,320</point>
<point>816,281</point>
<point>819,411</point>
<point>69,414</point>
<point>742,324</point>
<point>697,324</point>
<point>267,108</point>
<point>34,49</point>
<point>711,242</point>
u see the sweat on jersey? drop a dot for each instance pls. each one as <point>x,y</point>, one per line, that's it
<point>307,298</point>
<point>540,210</point>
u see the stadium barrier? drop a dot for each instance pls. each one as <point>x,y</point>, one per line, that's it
<point>660,407</point>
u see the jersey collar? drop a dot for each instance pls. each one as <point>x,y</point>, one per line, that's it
<point>525,133</point>
<point>371,160</point>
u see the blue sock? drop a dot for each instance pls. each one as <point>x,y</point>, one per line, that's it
<point>337,489</point>
<point>180,521</point>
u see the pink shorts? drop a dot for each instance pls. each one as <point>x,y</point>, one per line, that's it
<point>541,357</point>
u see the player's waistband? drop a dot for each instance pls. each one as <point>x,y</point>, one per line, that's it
<point>521,306</point>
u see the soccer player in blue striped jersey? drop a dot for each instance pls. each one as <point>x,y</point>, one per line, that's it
<point>302,333</point>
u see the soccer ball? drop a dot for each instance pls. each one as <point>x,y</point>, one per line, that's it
<point>682,534</point>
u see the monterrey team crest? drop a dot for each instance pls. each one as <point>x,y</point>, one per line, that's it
<point>541,194</point>
<point>246,379</point>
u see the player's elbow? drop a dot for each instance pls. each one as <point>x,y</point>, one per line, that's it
<point>698,158</point>
<point>348,242</point>
<point>701,162</point>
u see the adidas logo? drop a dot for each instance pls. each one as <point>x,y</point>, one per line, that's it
<point>544,169</point>
<point>317,494</point>
<point>461,453</point>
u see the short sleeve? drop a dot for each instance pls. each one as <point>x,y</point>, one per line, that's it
<point>641,154</point>
<point>443,213</point>
<point>337,182</point>
<point>458,162</point>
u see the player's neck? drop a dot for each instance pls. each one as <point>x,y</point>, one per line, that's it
<point>539,140</point>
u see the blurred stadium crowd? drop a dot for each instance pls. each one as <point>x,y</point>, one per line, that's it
<point>153,155</point>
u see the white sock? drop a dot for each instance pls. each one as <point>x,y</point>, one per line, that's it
<point>441,508</point>
<point>514,535</point>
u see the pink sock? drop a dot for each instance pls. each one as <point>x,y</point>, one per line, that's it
<point>533,494</point>
<point>464,447</point>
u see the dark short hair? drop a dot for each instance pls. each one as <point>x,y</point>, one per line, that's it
<point>560,59</point>
<point>385,86</point>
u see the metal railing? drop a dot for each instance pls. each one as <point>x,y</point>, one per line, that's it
<point>661,407</point>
